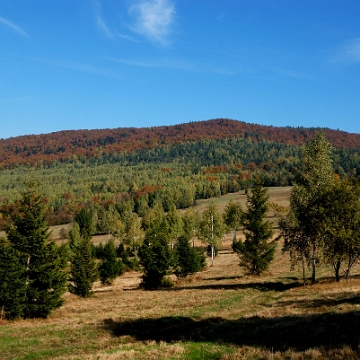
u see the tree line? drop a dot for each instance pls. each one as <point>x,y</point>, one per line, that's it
<point>93,144</point>
<point>177,174</point>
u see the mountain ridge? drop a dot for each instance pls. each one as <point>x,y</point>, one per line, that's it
<point>72,144</point>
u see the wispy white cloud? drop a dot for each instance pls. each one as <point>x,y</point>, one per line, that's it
<point>176,64</point>
<point>348,53</point>
<point>162,63</point>
<point>125,37</point>
<point>102,26</point>
<point>292,74</point>
<point>14,27</point>
<point>100,22</point>
<point>153,19</point>
<point>76,66</point>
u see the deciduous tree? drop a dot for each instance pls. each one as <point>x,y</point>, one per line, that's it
<point>233,216</point>
<point>341,226</point>
<point>303,230</point>
<point>191,221</point>
<point>212,228</point>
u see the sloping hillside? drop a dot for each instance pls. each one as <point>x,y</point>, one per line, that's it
<point>63,145</point>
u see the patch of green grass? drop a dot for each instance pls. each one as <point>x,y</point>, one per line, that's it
<point>46,342</point>
<point>201,351</point>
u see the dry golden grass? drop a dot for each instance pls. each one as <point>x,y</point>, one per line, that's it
<point>219,313</point>
<point>277,195</point>
<point>125,322</point>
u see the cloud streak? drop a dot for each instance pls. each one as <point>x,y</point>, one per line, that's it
<point>153,19</point>
<point>349,53</point>
<point>102,25</point>
<point>14,27</point>
<point>80,67</point>
<point>352,51</point>
<point>100,22</point>
<point>174,64</point>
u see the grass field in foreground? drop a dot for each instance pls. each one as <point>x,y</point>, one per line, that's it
<point>219,313</point>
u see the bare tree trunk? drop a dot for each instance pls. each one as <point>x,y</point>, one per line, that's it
<point>27,269</point>
<point>303,268</point>
<point>313,264</point>
<point>212,255</point>
<point>212,240</point>
<point>337,270</point>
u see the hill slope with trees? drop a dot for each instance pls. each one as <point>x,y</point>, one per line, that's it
<point>74,144</point>
<point>168,165</point>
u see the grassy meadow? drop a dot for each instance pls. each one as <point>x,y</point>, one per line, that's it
<point>219,313</point>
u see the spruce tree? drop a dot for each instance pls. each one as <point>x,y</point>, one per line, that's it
<point>83,270</point>
<point>257,251</point>
<point>74,237</point>
<point>110,267</point>
<point>44,261</point>
<point>12,282</point>
<point>155,255</point>
<point>188,260</point>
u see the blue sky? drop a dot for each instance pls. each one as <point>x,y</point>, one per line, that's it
<point>87,64</point>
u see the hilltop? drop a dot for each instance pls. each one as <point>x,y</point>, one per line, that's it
<point>72,144</point>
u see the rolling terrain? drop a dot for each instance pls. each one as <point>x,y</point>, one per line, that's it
<point>72,144</point>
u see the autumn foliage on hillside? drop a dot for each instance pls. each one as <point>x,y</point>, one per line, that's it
<point>65,145</point>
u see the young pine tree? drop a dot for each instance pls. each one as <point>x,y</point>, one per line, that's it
<point>12,282</point>
<point>188,260</point>
<point>257,251</point>
<point>44,261</point>
<point>155,255</point>
<point>83,269</point>
<point>110,267</point>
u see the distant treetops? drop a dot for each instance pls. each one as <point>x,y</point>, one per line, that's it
<point>68,145</point>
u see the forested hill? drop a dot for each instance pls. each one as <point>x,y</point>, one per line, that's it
<point>68,145</point>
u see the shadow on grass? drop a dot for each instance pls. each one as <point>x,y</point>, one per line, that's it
<point>346,298</point>
<point>223,278</point>
<point>262,286</point>
<point>328,331</point>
